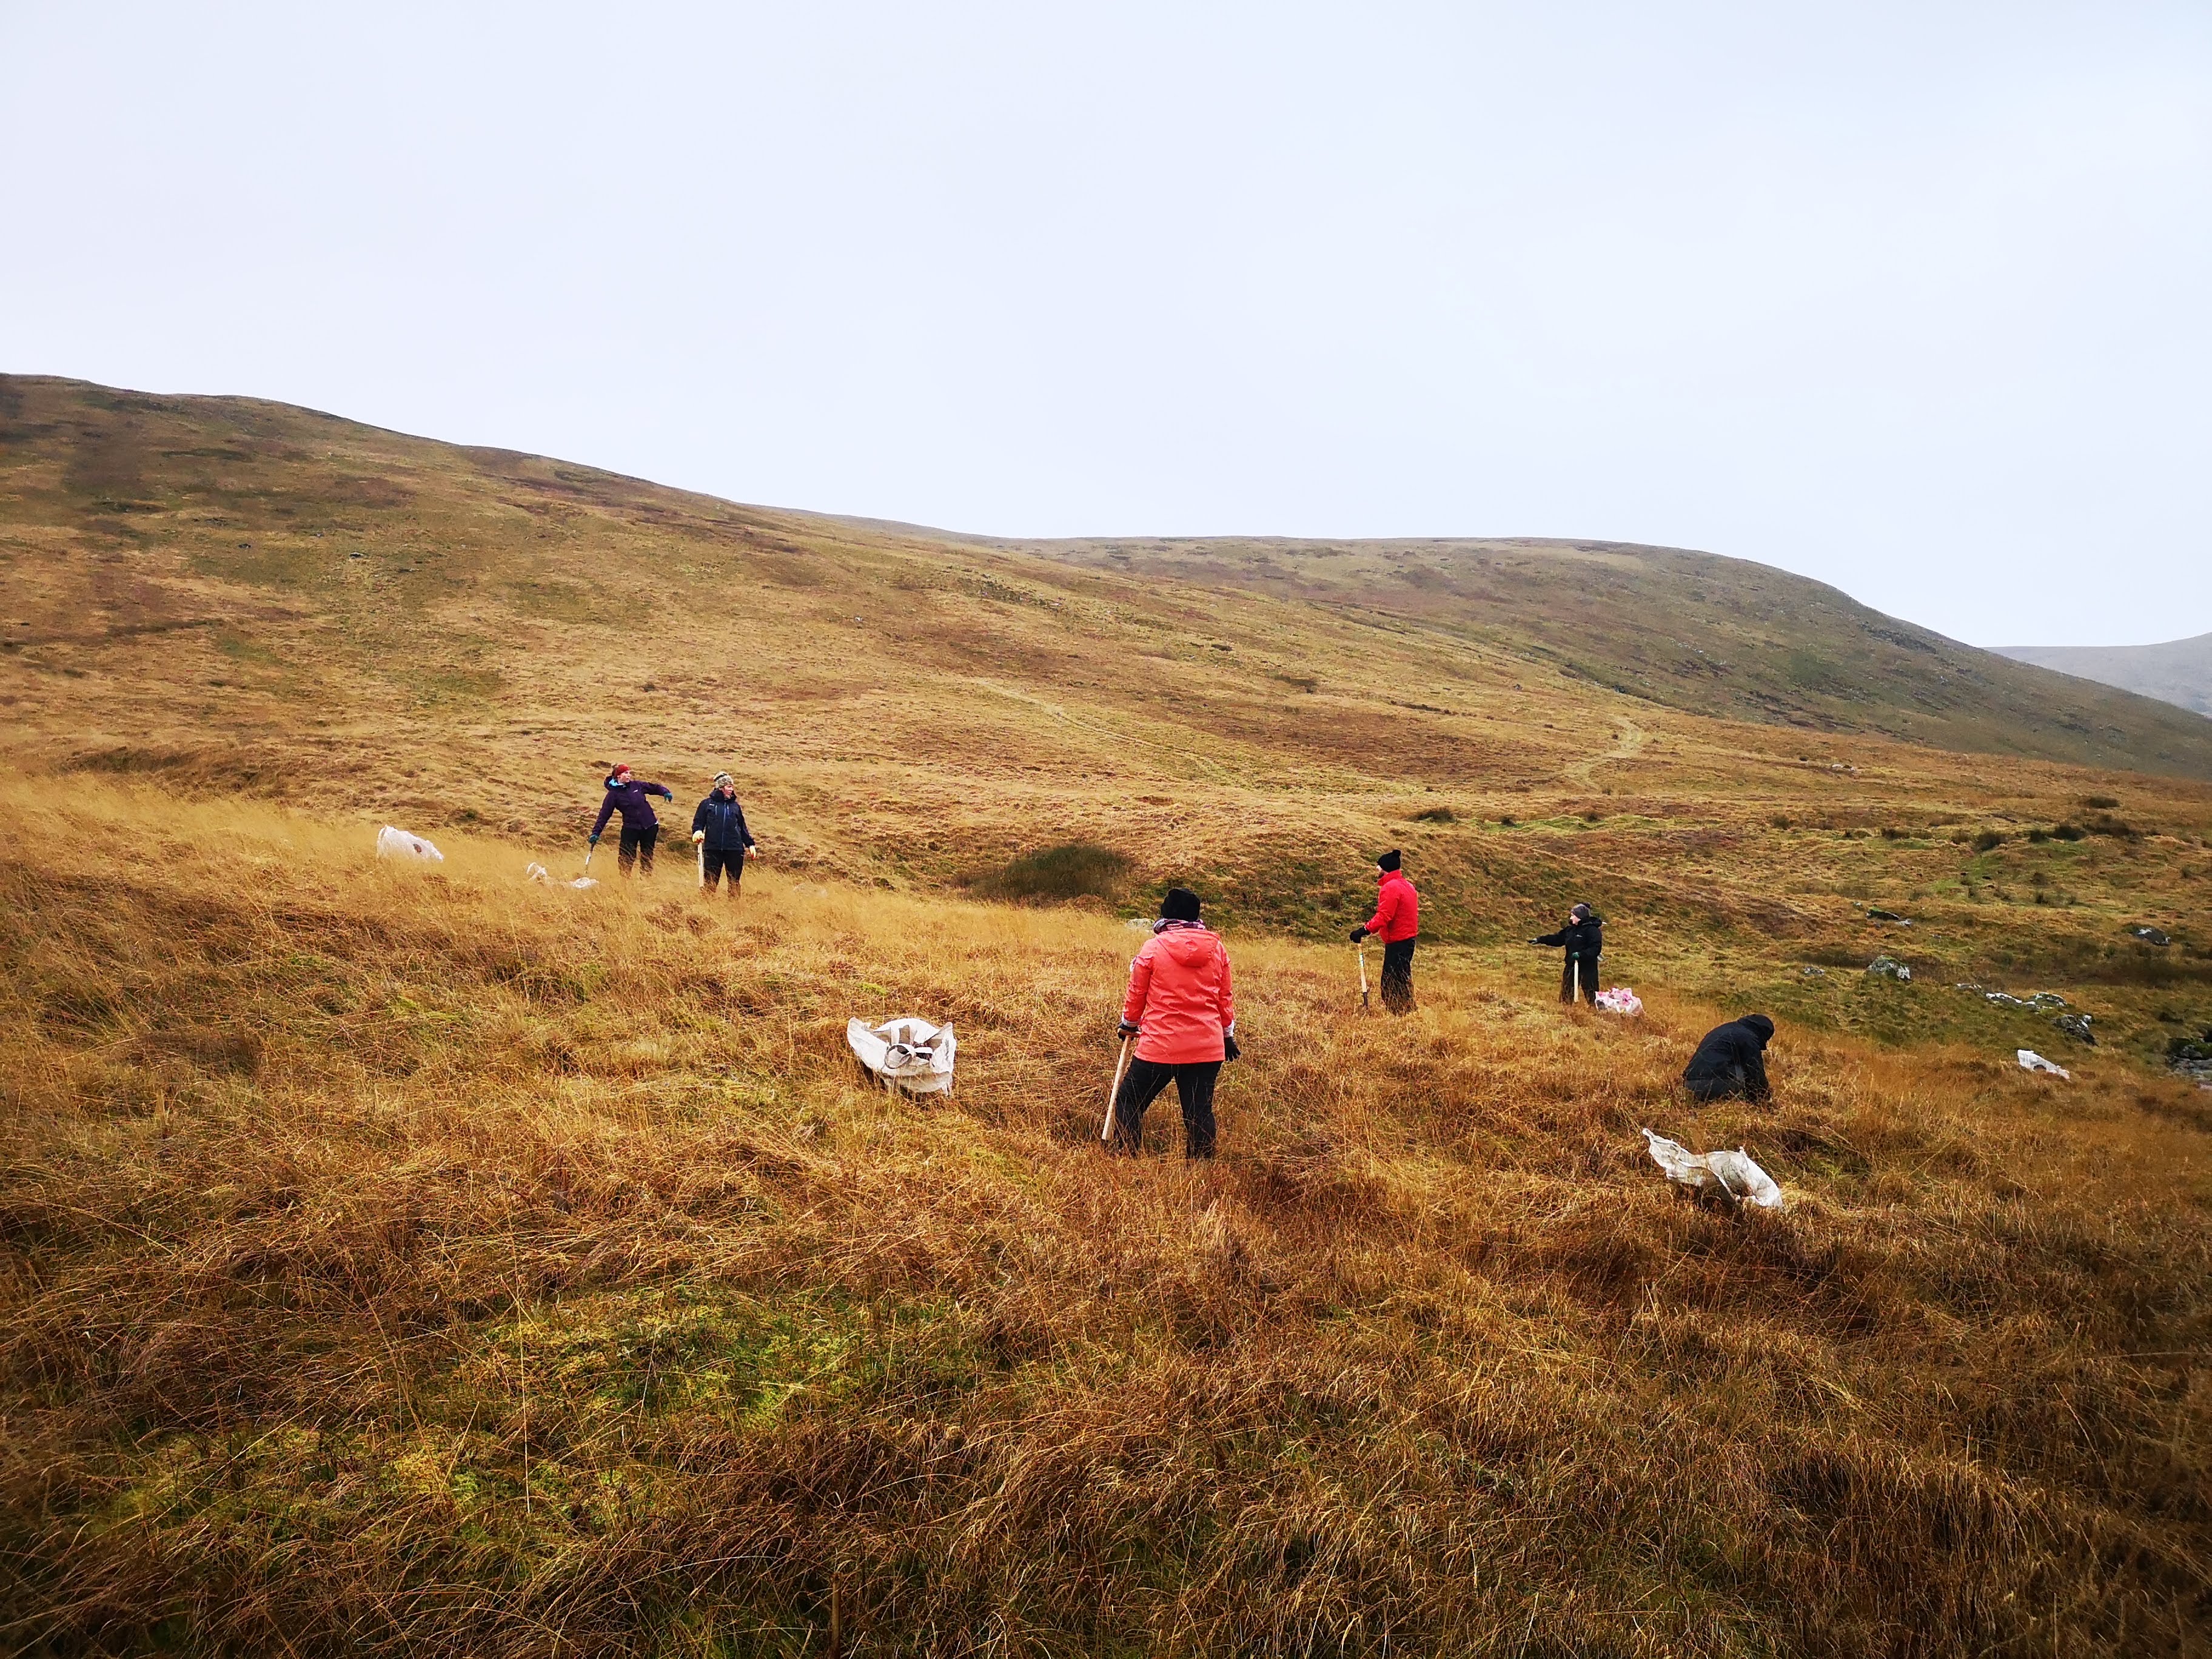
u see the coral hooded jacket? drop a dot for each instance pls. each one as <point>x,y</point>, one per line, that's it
<point>1179,996</point>
<point>1397,908</point>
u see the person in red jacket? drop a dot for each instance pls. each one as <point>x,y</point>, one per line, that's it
<point>1180,1011</point>
<point>1396,922</point>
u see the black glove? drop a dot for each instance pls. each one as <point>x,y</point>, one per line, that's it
<point>1228,1048</point>
<point>1359,934</point>
<point>1126,1030</point>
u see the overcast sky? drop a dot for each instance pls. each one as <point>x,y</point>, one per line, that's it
<point>1914,298</point>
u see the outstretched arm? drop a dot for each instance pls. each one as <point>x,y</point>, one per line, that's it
<point>606,812</point>
<point>1559,937</point>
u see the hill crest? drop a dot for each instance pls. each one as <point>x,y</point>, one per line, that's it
<point>2179,672</point>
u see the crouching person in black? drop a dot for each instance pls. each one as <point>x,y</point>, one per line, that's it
<point>1730,1064</point>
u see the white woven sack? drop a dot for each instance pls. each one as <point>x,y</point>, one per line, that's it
<point>392,843</point>
<point>1732,1175</point>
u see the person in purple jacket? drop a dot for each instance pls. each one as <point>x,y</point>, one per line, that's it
<point>640,828</point>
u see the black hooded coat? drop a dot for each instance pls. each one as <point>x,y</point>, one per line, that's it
<point>1731,1061</point>
<point>1584,940</point>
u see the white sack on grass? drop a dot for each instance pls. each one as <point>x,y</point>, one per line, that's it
<point>1732,1175</point>
<point>538,872</point>
<point>392,843</point>
<point>2032,1061</point>
<point>1620,1000</point>
<point>908,1053</point>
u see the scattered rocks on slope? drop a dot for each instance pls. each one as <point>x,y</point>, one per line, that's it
<point>1890,967</point>
<point>2042,1002</point>
<point>2192,1057</point>
<point>2078,1027</point>
<point>2150,936</point>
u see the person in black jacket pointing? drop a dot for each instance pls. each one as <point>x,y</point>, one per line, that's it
<point>1583,935</point>
<point>719,827</point>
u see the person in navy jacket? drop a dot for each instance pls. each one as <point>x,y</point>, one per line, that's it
<point>641,828</point>
<point>719,826</point>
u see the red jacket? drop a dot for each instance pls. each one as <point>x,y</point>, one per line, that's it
<point>1397,908</point>
<point>1179,996</point>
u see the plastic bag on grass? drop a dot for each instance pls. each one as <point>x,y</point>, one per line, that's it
<point>1733,1176</point>
<point>1620,1000</point>
<point>392,843</point>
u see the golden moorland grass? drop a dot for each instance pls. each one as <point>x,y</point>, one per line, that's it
<point>424,1260</point>
<point>421,1259</point>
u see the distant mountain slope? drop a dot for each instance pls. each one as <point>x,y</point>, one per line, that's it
<point>181,567</point>
<point>1696,632</point>
<point>2179,672</point>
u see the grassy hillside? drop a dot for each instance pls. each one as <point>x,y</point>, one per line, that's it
<point>427,1261</point>
<point>1696,632</point>
<point>2179,672</point>
<point>431,1263</point>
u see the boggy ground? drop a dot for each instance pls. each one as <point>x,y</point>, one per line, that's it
<point>420,1260</point>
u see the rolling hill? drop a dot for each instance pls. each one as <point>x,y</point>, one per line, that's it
<point>2179,672</point>
<point>1696,632</point>
<point>411,1260</point>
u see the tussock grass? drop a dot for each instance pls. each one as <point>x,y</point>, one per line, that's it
<point>413,1260</point>
<point>1072,870</point>
<point>406,1259</point>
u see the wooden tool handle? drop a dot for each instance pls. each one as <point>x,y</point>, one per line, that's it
<point>1106,1129</point>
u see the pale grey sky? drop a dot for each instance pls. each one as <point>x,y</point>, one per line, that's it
<point>1910,297</point>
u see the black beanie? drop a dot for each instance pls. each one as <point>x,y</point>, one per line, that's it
<point>1761,1027</point>
<point>1580,913</point>
<point>1389,861</point>
<point>1180,905</point>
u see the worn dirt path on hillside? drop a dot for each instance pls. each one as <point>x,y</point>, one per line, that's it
<point>1627,744</point>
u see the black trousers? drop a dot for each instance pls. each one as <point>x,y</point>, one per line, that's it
<point>1140,1086</point>
<point>1398,976</point>
<point>712,864</point>
<point>1735,1084</point>
<point>1586,967</point>
<point>636,845</point>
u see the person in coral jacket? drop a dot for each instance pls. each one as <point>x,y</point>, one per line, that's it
<point>1183,1015</point>
<point>1397,923</point>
